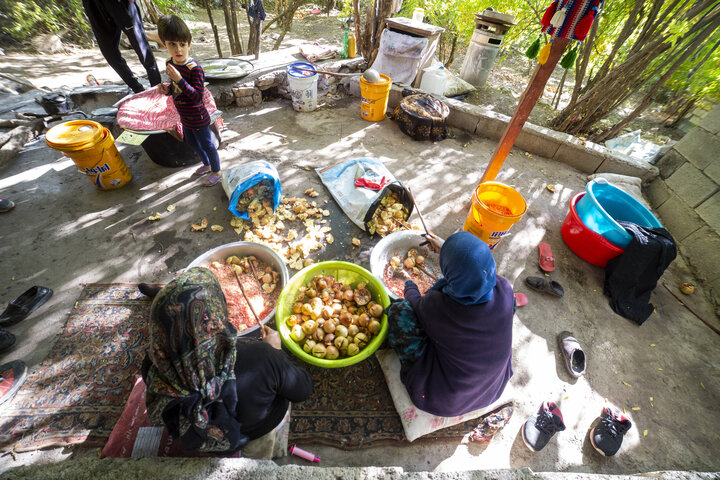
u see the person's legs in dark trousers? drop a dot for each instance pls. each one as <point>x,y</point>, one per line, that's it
<point>108,18</point>
<point>404,335</point>
<point>201,141</point>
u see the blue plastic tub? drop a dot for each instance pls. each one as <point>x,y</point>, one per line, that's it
<point>605,205</point>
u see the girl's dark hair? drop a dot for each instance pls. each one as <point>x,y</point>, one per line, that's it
<point>172,28</point>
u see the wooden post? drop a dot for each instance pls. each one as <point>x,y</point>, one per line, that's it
<point>529,98</point>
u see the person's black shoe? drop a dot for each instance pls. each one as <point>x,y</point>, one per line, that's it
<point>12,376</point>
<point>149,289</point>
<point>539,429</point>
<point>7,340</point>
<point>20,308</point>
<point>608,435</point>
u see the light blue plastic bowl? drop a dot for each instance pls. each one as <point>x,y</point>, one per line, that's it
<point>605,204</point>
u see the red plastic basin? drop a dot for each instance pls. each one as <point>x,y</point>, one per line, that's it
<point>588,245</point>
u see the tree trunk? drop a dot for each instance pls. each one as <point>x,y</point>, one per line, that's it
<point>17,138</point>
<point>214,29</point>
<point>234,25</point>
<point>228,27</point>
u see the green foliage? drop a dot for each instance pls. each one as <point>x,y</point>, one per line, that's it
<point>176,7</point>
<point>23,19</point>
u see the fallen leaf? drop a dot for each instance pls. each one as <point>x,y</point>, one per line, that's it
<point>329,238</point>
<point>551,188</point>
<point>627,384</point>
<point>355,241</point>
<point>652,344</point>
<point>660,369</point>
<point>157,216</point>
<point>216,228</point>
<point>636,408</point>
<point>170,208</point>
<point>143,211</point>
<point>12,278</point>
<point>651,399</point>
<point>214,209</point>
<point>644,433</point>
<point>703,386</point>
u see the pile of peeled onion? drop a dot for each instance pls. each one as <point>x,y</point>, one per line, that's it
<point>332,319</point>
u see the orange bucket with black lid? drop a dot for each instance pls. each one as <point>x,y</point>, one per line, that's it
<point>92,147</point>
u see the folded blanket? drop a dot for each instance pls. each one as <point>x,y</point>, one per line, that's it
<point>152,110</point>
<point>317,52</point>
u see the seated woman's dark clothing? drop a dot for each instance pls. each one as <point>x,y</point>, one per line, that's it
<point>461,354</point>
<point>210,390</point>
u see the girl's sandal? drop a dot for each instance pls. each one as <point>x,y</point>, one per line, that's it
<point>202,170</point>
<point>212,180</point>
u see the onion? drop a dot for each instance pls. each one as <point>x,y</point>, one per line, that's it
<point>292,320</point>
<point>352,350</point>
<point>297,308</point>
<point>395,261</point>
<point>311,292</point>
<point>412,252</point>
<point>329,339</point>
<point>318,335</point>
<point>346,319</point>
<point>316,313</point>
<point>316,303</point>
<point>331,353</point>
<point>267,278</point>
<point>306,309</point>
<point>319,351</point>
<point>419,260</point>
<point>374,327</point>
<point>329,326</point>
<point>409,262</point>
<point>322,283</point>
<point>363,320</point>
<point>353,330</point>
<point>348,295</point>
<point>687,288</point>
<point>327,312</point>
<point>376,310</point>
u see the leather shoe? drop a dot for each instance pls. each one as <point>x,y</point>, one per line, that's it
<point>7,340</point>
<point>24,305</point>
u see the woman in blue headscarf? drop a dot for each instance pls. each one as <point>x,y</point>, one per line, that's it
<point>455,342</point>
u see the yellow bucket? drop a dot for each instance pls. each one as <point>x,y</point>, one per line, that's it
<point>92,147</point>
<point>374,98</point>
<point>495,208</point>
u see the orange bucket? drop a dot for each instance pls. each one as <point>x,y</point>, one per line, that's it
<point>495,208</point>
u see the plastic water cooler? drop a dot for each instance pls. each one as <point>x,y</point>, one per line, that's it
<point>490,29</point>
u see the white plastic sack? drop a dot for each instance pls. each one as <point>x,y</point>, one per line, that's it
<point>360,203</point>
<point>399,56</point>
<point>236,180</point>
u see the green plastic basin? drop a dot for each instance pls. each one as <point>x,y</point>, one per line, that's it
<point>344,272</point>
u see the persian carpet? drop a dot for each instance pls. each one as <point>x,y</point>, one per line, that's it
<point>77,394</point>
<point>352,408</point>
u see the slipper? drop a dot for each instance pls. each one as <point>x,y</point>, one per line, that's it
<point>24,305</point>
<point>6,205</point>
<point>540,284</point>
<point>12,376</point>
<point>7,340</point>
<point>572,353</point>
<point>547,261</point>
<point>521,299</point>
<point>212,180</point>
<point>202,170</point>
<point>491,424</point>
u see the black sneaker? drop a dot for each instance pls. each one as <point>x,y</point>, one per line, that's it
<point>539,429</point>
<point>607,436</point>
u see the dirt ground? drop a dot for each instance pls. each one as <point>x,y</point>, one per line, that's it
<point>664,374</point>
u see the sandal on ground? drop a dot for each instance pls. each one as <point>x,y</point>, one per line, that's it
<point>212,180</point>
<point>6,205</point>
<point>521,299</point>
<point>203,169</point>
<point>7,340</point>
<point>540,284</point>
<point>491,424</point>
<point>24,305</point>
<point>12,376</point>
<point>546,261</point>
<point>572,353</point>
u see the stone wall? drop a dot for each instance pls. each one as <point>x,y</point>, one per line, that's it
<point>686,196</point>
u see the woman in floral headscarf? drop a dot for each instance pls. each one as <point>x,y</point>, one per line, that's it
<point>455,342</point>
<point>213,392</point>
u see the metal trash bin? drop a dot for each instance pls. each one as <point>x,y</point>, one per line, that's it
<point>490,29</point>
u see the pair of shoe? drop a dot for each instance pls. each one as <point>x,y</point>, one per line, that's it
<point>212,179</point>
<point>547,264</point>
<point>18,310</point>
<point>606,437</point>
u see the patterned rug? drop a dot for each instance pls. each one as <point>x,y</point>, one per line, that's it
<point>78,392</point>
<point>352,408</point>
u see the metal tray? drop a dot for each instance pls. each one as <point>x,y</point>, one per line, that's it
<point>226,68</point>
<point>241,249</point>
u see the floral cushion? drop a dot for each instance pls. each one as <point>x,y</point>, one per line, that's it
<point>416,422</point>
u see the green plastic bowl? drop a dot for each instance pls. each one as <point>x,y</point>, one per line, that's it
<point>344,272</point>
